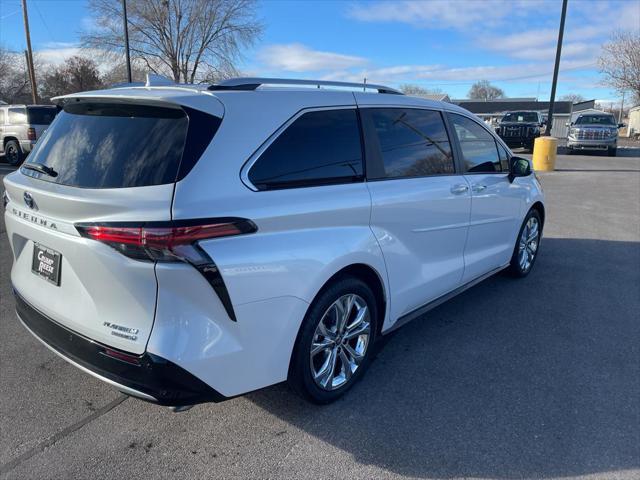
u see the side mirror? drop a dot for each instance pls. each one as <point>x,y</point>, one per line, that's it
<point>518,167</point>
<point>621,125</point>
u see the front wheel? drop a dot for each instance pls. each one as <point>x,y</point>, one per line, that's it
<point>526,249</point>
<point>335,343</point>
<point>612,151</point>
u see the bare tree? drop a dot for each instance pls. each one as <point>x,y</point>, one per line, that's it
<point>15,86</point>
<point>189,40</point>
<point>411,89</point>
<point>118,74</point>
<point>572,97</point>
<point>77,74</point>
<point>620,62</point>
<point>483,90</point>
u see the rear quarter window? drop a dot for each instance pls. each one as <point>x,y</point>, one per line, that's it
<point>17,116</point>
<point>318,148</point>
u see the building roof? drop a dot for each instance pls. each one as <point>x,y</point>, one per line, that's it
<point>586,105</point>
<point>508,104</point>
<point>440,97</point>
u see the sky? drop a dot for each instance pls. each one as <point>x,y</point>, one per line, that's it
<point>437,44</point>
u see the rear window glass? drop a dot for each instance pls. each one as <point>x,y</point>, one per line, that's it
<point>112,146</point>
<point>41,115</point>
<point>319,148</point>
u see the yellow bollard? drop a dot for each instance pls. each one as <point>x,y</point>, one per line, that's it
<point>545,150</point>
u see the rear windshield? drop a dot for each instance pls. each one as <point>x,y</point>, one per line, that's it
<point>528,117</point>
<point>41,115</point>
<point>595,120</point>
<point>112,146</point>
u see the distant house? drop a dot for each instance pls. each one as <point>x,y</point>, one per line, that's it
<point>633,127</point>
<point>491,111</point>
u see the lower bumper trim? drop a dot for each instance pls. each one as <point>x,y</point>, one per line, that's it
<point>153,378</point>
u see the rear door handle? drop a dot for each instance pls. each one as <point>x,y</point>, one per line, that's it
<point>459,189</point>
<point>478,188</point>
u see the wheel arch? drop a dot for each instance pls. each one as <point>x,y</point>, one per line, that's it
<point>539,207</point>
<point>372,277</point>
<point>8,138</point>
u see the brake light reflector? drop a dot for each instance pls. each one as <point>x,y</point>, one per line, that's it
<point>31,133</point>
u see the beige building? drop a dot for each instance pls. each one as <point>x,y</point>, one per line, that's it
<point>633,127</point>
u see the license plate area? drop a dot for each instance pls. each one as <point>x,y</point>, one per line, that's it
<point>46,263</point>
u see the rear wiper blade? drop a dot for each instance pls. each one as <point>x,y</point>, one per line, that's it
<point>37,167</point>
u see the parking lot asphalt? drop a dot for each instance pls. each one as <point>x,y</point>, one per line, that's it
<point>533,378</point>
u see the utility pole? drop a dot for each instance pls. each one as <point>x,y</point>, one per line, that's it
<point>32,73</point>
<point>126,39</point>
<point>621,108</point>
<point>555,69</point>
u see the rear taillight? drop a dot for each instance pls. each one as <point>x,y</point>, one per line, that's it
<point>31,133</point>
<point>163,241</point>
<point>172,242</point>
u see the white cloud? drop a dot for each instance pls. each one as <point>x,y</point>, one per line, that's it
<point>441,13</point>
<point>295,57</point>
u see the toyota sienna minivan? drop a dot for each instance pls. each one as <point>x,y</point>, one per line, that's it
<point>189,244</point>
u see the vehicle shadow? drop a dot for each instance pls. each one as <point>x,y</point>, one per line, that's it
<point>533,378</point>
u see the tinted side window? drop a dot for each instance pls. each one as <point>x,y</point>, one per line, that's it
<point>318,148</point>
<point>413,142</point>
<point>1,117</point>
<point>478,146</point>
<point>17,115</point>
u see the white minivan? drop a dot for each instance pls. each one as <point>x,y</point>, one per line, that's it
<point>189,244</point>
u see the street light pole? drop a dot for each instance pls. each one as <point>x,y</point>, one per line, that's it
<point>32,72</point>
<point>555,69</point>
<point>126,39</point>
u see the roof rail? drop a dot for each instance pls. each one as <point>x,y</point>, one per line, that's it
<point>252,83</point>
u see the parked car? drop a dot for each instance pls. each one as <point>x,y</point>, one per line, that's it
<point>520,129</point>
<point>191,244</point>
<point>594,131</point>
<point>20,128</point>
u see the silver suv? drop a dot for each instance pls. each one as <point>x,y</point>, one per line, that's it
<point>594,131</point>
<point>189,244</point>
<point>20,128</point>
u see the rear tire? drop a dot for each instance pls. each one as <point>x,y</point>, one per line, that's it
<point>13,153</point>
<point>333,350</point>
<point>527,245</point>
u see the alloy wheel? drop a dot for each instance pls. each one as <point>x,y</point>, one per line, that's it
<point>528,244</point>
<point>340,342</point>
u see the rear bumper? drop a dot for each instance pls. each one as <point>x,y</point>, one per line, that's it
<point>147,376</point>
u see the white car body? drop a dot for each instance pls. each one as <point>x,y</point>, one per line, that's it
<point>423,239</point>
